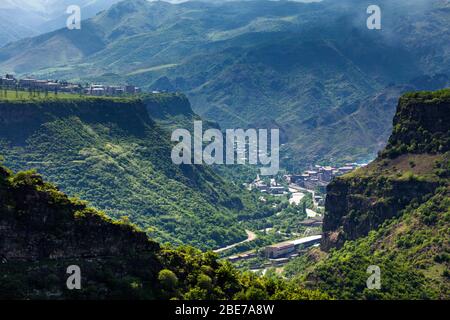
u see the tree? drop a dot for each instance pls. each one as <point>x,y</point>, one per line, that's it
<point>196,294</point>
<point>168,280</point>
<point>204,282</point>
<point>252,293</point>
<point>304,208</point>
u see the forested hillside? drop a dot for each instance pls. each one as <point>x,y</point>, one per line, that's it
<point>109,152</point>
<point>44,232</point>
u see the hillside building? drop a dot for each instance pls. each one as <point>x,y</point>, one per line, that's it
<point>279,250</point>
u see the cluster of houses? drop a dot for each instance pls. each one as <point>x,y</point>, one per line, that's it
<point>273,187</point>
<point>9,81</point>
<point>102,90</point>
<point>320,176</point>
<point>316,178</point>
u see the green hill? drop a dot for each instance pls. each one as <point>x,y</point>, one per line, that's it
<point>109,152</point>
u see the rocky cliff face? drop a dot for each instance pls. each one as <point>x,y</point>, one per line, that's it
<point>43,232</point>
<point>406,172</point>
<point>173,111</point>
<point>421,125</point>
<point>394,214</point>
<point>355,207</point>
<point>127,114</point>
<point>32,234</point>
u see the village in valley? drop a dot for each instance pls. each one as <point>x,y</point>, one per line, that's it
<point>296,188</point>
<point>317,178</point>
<point>284,236</point>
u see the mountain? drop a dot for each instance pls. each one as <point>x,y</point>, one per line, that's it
<point>26,18</point>
<point>43,232</point>
<point>393,214</point>
<point>16,23</point>
<point>110,152</point>
<point>304,67</point>
<point>407,170</point>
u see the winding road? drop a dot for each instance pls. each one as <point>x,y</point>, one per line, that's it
<point>251,236</point>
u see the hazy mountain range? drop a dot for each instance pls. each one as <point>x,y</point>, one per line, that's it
<point>311,69</point>
<point>25,18</point>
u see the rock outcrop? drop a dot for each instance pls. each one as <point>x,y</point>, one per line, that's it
<point>43,232</point>
<point>405,172</point>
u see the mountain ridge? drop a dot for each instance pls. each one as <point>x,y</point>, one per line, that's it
<point>302,66</point>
